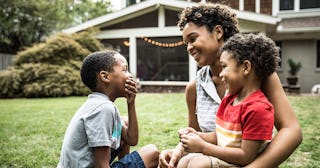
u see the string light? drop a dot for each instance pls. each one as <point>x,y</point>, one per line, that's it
<point>175,44</point>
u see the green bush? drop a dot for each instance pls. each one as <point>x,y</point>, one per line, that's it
<point>87,41</point>
<point>10,82</point>
<point>49,69</point>
<point>57,50</point>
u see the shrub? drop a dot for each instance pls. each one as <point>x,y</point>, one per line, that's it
<point>49,69</point>
<point>58,50</point>
<point>87,41</point>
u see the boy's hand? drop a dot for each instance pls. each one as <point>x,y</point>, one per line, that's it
<point>192,143</point>
<point>131,90</point>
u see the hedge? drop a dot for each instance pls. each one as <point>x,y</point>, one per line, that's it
<point>49,69</point>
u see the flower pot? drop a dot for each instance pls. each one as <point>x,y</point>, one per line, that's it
<point>292,80</point>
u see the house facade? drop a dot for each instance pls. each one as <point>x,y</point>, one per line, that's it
<point>145,32</point>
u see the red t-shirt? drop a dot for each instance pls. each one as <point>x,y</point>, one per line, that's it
<point>252,119</point>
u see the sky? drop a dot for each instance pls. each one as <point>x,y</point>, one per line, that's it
<point>116,4</point>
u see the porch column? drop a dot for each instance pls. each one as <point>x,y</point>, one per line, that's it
<point>257,6</point>
<point>275,7</point>
<point>133,55</point>
<point>192,68</point>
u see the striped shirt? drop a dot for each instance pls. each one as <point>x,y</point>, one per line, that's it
<point>252,119</point>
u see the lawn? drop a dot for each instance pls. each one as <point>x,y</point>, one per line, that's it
<point>32,130</point>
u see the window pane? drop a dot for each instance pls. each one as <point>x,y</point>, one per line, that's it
<point>286,4</point>
<point>306,4</point>
<point>156,63</point>
<point>130,2</point>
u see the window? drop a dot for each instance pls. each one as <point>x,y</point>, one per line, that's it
<point>130,2</point>
<point>306,4</point>
<point>318,53</point>
<point>156,63</point>
<point>279,44</point>
<point>286,4</point>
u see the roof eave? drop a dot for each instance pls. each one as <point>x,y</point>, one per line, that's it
<point>179,5</point>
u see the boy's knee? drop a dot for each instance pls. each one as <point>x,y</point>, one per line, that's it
<point>150,155</point>
<point>200,162</point>
<point>153,149</point>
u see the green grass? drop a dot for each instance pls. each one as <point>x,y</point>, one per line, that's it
<point>32,130</point>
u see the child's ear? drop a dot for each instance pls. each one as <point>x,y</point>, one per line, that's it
<point>104,76</point>
<point>246,67</point>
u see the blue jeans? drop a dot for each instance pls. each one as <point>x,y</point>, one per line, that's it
<point>131,160</point>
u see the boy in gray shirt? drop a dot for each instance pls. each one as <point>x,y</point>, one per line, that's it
<point>96,135</point>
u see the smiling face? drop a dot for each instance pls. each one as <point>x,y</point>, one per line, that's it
<point>232,73</point>
<point>119,76</point>
<point>202,45</point>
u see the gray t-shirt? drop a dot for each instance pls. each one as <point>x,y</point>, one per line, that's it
<point>97,123</point>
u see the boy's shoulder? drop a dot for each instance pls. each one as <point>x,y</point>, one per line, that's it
<point>100,102</point>
<point>258,100</point>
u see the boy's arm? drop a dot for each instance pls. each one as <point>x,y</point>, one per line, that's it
<point>193,143</point>
<point>102,157</point>
<point>239,156</point>
<point>130,134</point>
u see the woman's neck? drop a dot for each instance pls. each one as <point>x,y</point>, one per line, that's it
<point>215,69</point>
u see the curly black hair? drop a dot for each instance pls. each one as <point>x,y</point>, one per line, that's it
<point>210,15</point>
<point>260,50</point>
<point>93,64</point>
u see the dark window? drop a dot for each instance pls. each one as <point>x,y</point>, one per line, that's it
<point>279,44</point>
<point>286,4</point>
<point>318,53</point>
<point>306,4</point>
<point>156,63</point>
<point>147,20</point>
<point>130,2</point>
<point>171,18</point>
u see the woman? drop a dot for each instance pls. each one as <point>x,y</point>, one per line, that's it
<point>205,28</point>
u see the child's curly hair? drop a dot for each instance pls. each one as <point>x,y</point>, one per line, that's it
<point>260,50</point>
<point>210,15</point>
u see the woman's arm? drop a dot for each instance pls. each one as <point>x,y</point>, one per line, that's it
<point>191,96</point>
<point>289,134</point>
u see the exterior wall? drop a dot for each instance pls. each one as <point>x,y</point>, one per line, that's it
<point>304,51</point>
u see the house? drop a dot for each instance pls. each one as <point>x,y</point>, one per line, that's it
<point>145,32</point>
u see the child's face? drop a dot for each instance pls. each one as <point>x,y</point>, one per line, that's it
<point>232,73</point>
<point>119,75</point>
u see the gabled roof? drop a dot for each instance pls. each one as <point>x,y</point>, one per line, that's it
<point>147,6</point>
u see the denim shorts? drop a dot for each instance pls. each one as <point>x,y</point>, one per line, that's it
<point>131,160</point>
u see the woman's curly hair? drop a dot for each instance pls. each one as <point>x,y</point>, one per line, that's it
<point>260,50</point>
<point>210,15</point>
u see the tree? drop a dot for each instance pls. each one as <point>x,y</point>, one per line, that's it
<point>25,22</point>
